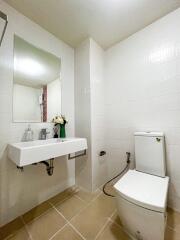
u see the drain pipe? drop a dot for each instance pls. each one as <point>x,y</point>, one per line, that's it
<point>49,166</point>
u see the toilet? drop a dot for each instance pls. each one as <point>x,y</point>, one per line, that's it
<point>142,193</point>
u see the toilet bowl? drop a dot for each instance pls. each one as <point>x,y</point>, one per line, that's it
<point>141,194</point>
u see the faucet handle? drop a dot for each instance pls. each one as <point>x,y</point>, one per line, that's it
<point>43,133</point>
<point>43,130</point>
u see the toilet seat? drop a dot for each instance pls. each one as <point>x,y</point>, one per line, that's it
<point>144,190</point>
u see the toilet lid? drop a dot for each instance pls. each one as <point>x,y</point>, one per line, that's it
<point>144,190</point>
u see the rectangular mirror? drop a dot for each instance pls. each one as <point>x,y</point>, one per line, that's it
<point>36,84</point>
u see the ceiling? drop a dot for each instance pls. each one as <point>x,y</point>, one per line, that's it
<point>33,66</point>
<point>106,21</point>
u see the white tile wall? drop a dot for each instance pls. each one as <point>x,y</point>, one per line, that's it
<point>83,112</point>
<point>99,163</point>
<point>91,171</point>
<point>142,79</point>
<point>19,192</point>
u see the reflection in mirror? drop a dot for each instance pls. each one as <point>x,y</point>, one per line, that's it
<point>36,85</point>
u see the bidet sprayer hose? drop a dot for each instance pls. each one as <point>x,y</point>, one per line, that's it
<point>128,154</point>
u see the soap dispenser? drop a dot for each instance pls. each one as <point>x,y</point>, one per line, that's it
<point>29,134</point>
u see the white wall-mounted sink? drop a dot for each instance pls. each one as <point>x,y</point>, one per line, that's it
<point>25,153</point>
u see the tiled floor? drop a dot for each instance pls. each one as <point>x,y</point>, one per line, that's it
<point>76,215</point>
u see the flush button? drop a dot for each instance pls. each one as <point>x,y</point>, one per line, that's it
<point>158,139</point>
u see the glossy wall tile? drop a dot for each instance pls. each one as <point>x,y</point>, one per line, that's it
<point>142,81</point>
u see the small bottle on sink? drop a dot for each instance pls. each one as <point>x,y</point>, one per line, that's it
<point>55,132</point>
<point>29,134</point>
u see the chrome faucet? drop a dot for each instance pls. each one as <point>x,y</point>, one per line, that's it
<point>44,133</point>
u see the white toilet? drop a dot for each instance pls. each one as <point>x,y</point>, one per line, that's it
<point>142,193</point>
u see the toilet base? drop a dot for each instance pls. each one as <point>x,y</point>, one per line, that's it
<point>141,223</point>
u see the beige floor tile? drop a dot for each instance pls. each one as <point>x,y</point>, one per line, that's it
<point>87,196</point>
<point>115,218</point>
<point>63,195</point>
<point>173,219</point>
<point>36,212</point>
<point>70,207</point>
<point>46,225</point>
<point>11,227</point>
<point>113,232</point>
<point>92,218</point>
<point>20,235</point>
<point>171,235</point>
<point>67,233</point>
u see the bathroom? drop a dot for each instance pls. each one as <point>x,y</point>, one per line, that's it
<point>117,66</point>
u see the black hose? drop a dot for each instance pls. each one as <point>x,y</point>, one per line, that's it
<point>124,170</point>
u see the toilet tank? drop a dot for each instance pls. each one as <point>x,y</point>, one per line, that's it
<point>150,153</point>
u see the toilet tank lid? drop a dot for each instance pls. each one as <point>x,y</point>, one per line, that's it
<point>149,134</point>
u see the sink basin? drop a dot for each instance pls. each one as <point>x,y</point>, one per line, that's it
<point>25,153</point>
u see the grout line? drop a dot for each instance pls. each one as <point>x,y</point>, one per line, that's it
<point>54,207</point>
<point>58,231</point>
<point>68,223</point>
<point>16,231</point>
<point>105,224</point>
<point>172,229</point>
<point>86,206</point>
<point>77,231</point>
<point>85,190</point>
<point>82,189</point>
<point>116,224</point>
<point>113,213</point>
<point>122,228</point>
<point>72,193</point>
<point>102,229</point>
<point>99,194</point>
<point>34,219</point>
<point>102,185</point>
<point>53,204</point>
<point>79,212</point>
<point>80,199</point>
<point>26,227</point>
<point>60,201</point>
<point>8,237</point>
